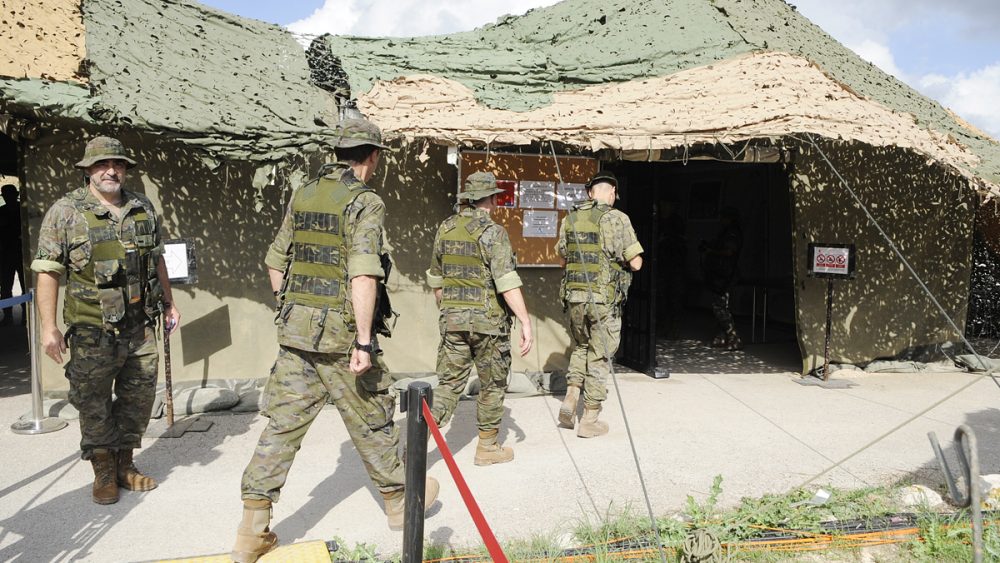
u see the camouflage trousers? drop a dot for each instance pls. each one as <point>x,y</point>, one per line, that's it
<point>458,352</point>
<point>102,363</point>
<point>596,330</point>
<point>720,308</point>
<point>301,383</point>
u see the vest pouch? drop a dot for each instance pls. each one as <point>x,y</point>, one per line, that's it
<point>106,272</point>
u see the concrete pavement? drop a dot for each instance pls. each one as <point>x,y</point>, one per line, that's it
<point>763,433</point>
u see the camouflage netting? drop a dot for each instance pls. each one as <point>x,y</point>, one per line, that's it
<point>237,88</point>
<point>520,63</point>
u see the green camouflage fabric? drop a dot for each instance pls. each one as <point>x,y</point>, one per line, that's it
<point>301,383</point>
<point>297,324</point>
<point>459,351</point>
<point>101,362</point>
<point>303,380</point>
<point>62,239</point>
<point>356,132</point>
<point>596,331</point>
<point>620,243</point>
<point>496,250</point>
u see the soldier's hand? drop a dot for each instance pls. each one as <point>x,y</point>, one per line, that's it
<point>526,338</point>
<point>172,319</point>
<point>360,362</point>
<point>53,344</point>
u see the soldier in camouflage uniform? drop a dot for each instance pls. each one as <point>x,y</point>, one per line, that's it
<point>107,241</point>
<point>471,268</point>
<point>600,250</point>
<point>720,261</point>
<point>324,266</point>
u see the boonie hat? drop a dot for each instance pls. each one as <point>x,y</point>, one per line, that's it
<point>479,185</point>
<point>603,176</point>
<point>357,131</point>
<point>103,148</point>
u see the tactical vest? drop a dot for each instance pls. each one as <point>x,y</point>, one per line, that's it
<point>119,286</point>
<point>317,274</point>
<point>587,267</point>
<point>468,282</point>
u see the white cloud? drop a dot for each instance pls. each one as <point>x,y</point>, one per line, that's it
<point>972,95</point>
<point>878,54</point>
<point>407,18</point>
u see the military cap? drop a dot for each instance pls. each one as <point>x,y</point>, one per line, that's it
<point>605,176</point>
<point>357,131</point>
<point>479,185</point>
<point>103,148</point>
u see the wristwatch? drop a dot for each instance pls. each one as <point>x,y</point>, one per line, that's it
<point>371,347</point>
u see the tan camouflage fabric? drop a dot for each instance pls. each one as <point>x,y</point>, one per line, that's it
<point>596,331</point>
<point>62,239</point>
<point>495,246</point>
<point>620,243</point>
<point>459,351</point>
<point>101,362</point>
<point>301,383</point>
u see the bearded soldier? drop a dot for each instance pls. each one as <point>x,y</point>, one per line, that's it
<point>600,251</point>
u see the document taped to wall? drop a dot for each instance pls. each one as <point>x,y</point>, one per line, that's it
<point>831,260</point>
<point>178,255</point>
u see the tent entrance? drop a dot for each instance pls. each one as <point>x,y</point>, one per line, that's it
<point>668,323</point>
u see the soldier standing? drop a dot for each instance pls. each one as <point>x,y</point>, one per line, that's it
<point>324,267</point>
<point>720,261</point>
<point>107,240</point>
<point>471,269</point>
<point>600,250</point>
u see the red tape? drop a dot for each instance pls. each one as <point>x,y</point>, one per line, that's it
<point>470,502</point>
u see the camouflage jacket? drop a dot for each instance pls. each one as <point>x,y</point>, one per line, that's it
<point>619,244</point>
<point>494,244</point>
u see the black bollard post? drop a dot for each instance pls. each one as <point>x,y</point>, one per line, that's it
<point>416,469</point>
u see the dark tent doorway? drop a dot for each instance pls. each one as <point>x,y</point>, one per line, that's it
<point>675,208</point>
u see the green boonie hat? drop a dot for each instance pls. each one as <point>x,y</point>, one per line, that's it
<point>103,148</point>
<point>604,176</point>
<point>479,185</point>
<point>355,132</point>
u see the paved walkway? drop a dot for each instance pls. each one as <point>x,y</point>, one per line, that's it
<point>762,433</point>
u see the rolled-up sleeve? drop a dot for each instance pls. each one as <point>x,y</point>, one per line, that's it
<point>278,256</point>
<point>366,239</point>
<point>52,254</point>
<point>496,247</point>
<point>435,274</point>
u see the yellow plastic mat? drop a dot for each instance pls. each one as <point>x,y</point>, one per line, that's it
<point>306,552</point>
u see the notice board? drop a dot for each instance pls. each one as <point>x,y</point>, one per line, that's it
<point>537,196</point>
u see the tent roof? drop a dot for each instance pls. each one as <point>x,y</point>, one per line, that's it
<point>520,65</point>
<point>236,87</point>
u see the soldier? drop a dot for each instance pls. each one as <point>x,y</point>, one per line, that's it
<point>107,240</point>
<point>720,261</point>
<point>472,267</point>
<point>600,250</point>
<point>324,267</point>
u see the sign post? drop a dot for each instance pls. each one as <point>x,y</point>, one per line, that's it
<point>181,269</point>
<point>831,261</point>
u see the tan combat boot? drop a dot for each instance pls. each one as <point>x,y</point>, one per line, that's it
<point>395,501</point>
<point>254,536</point>
<point>567,411</point>
<point>129,476</point>
<point>105,486</point>
<point>488,451</point>
<point>590,427</point>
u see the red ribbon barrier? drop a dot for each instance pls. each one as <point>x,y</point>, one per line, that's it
<point>470,502</point>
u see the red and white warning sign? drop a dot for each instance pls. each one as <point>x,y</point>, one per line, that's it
<point>833,260</point>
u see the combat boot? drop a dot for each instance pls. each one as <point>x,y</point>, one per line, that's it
<point>590,427</point>
<point>733,342</point>
<point>129,476</point>
<point>395,501</point>
<point>567,411</point>
<point>254,536</point>
<point>489,451</point>
<point>105,485</point>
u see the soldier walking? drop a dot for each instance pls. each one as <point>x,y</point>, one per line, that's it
<point>107,241</point>
<point>600,252</point>
<point>476,287</point>
<point>324,266</point>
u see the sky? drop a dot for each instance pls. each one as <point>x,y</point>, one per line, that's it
<point>948,50</point>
